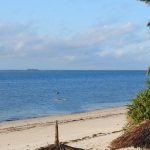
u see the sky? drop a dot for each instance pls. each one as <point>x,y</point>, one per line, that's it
<point>74,35</point>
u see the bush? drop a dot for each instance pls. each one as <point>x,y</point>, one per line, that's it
<point>148,83</point>
<point>139,108</point>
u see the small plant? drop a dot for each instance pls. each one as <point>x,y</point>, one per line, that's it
<point>148,83</point>
<point>139,108</point>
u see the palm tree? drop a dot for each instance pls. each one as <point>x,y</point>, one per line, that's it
<point>146,1</point>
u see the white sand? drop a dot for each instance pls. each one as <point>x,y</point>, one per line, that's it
<point>90,130</point>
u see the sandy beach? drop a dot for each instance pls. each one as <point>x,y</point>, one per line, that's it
<point>90,130</point>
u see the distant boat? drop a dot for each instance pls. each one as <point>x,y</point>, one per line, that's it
<point>57,92</point>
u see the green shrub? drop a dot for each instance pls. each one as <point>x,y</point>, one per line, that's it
<point>139,108</point>
<point>148,83</point>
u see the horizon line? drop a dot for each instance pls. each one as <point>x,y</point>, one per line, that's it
<point>73,69</point>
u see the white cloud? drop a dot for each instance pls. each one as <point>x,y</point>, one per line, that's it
<point>113,41</point>
<point>70,58</point>
<point>111,53</point>
<point>103,53</point>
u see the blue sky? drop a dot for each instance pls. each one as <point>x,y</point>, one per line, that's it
<point>74,34</point>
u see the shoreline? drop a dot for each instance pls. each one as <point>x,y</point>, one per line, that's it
<point>58,115</point>
<point>79,130</point>
<point>34,119</point>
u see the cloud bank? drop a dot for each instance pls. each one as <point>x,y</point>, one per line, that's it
<point>112,46</point>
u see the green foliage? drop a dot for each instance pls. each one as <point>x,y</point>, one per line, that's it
<point>148,83</point>
<point>139,108</point>
<point>146,1</point>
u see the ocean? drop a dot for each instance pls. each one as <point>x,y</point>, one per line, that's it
<point>36,93</point>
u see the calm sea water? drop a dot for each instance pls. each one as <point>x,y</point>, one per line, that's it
<point>27,94</point>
